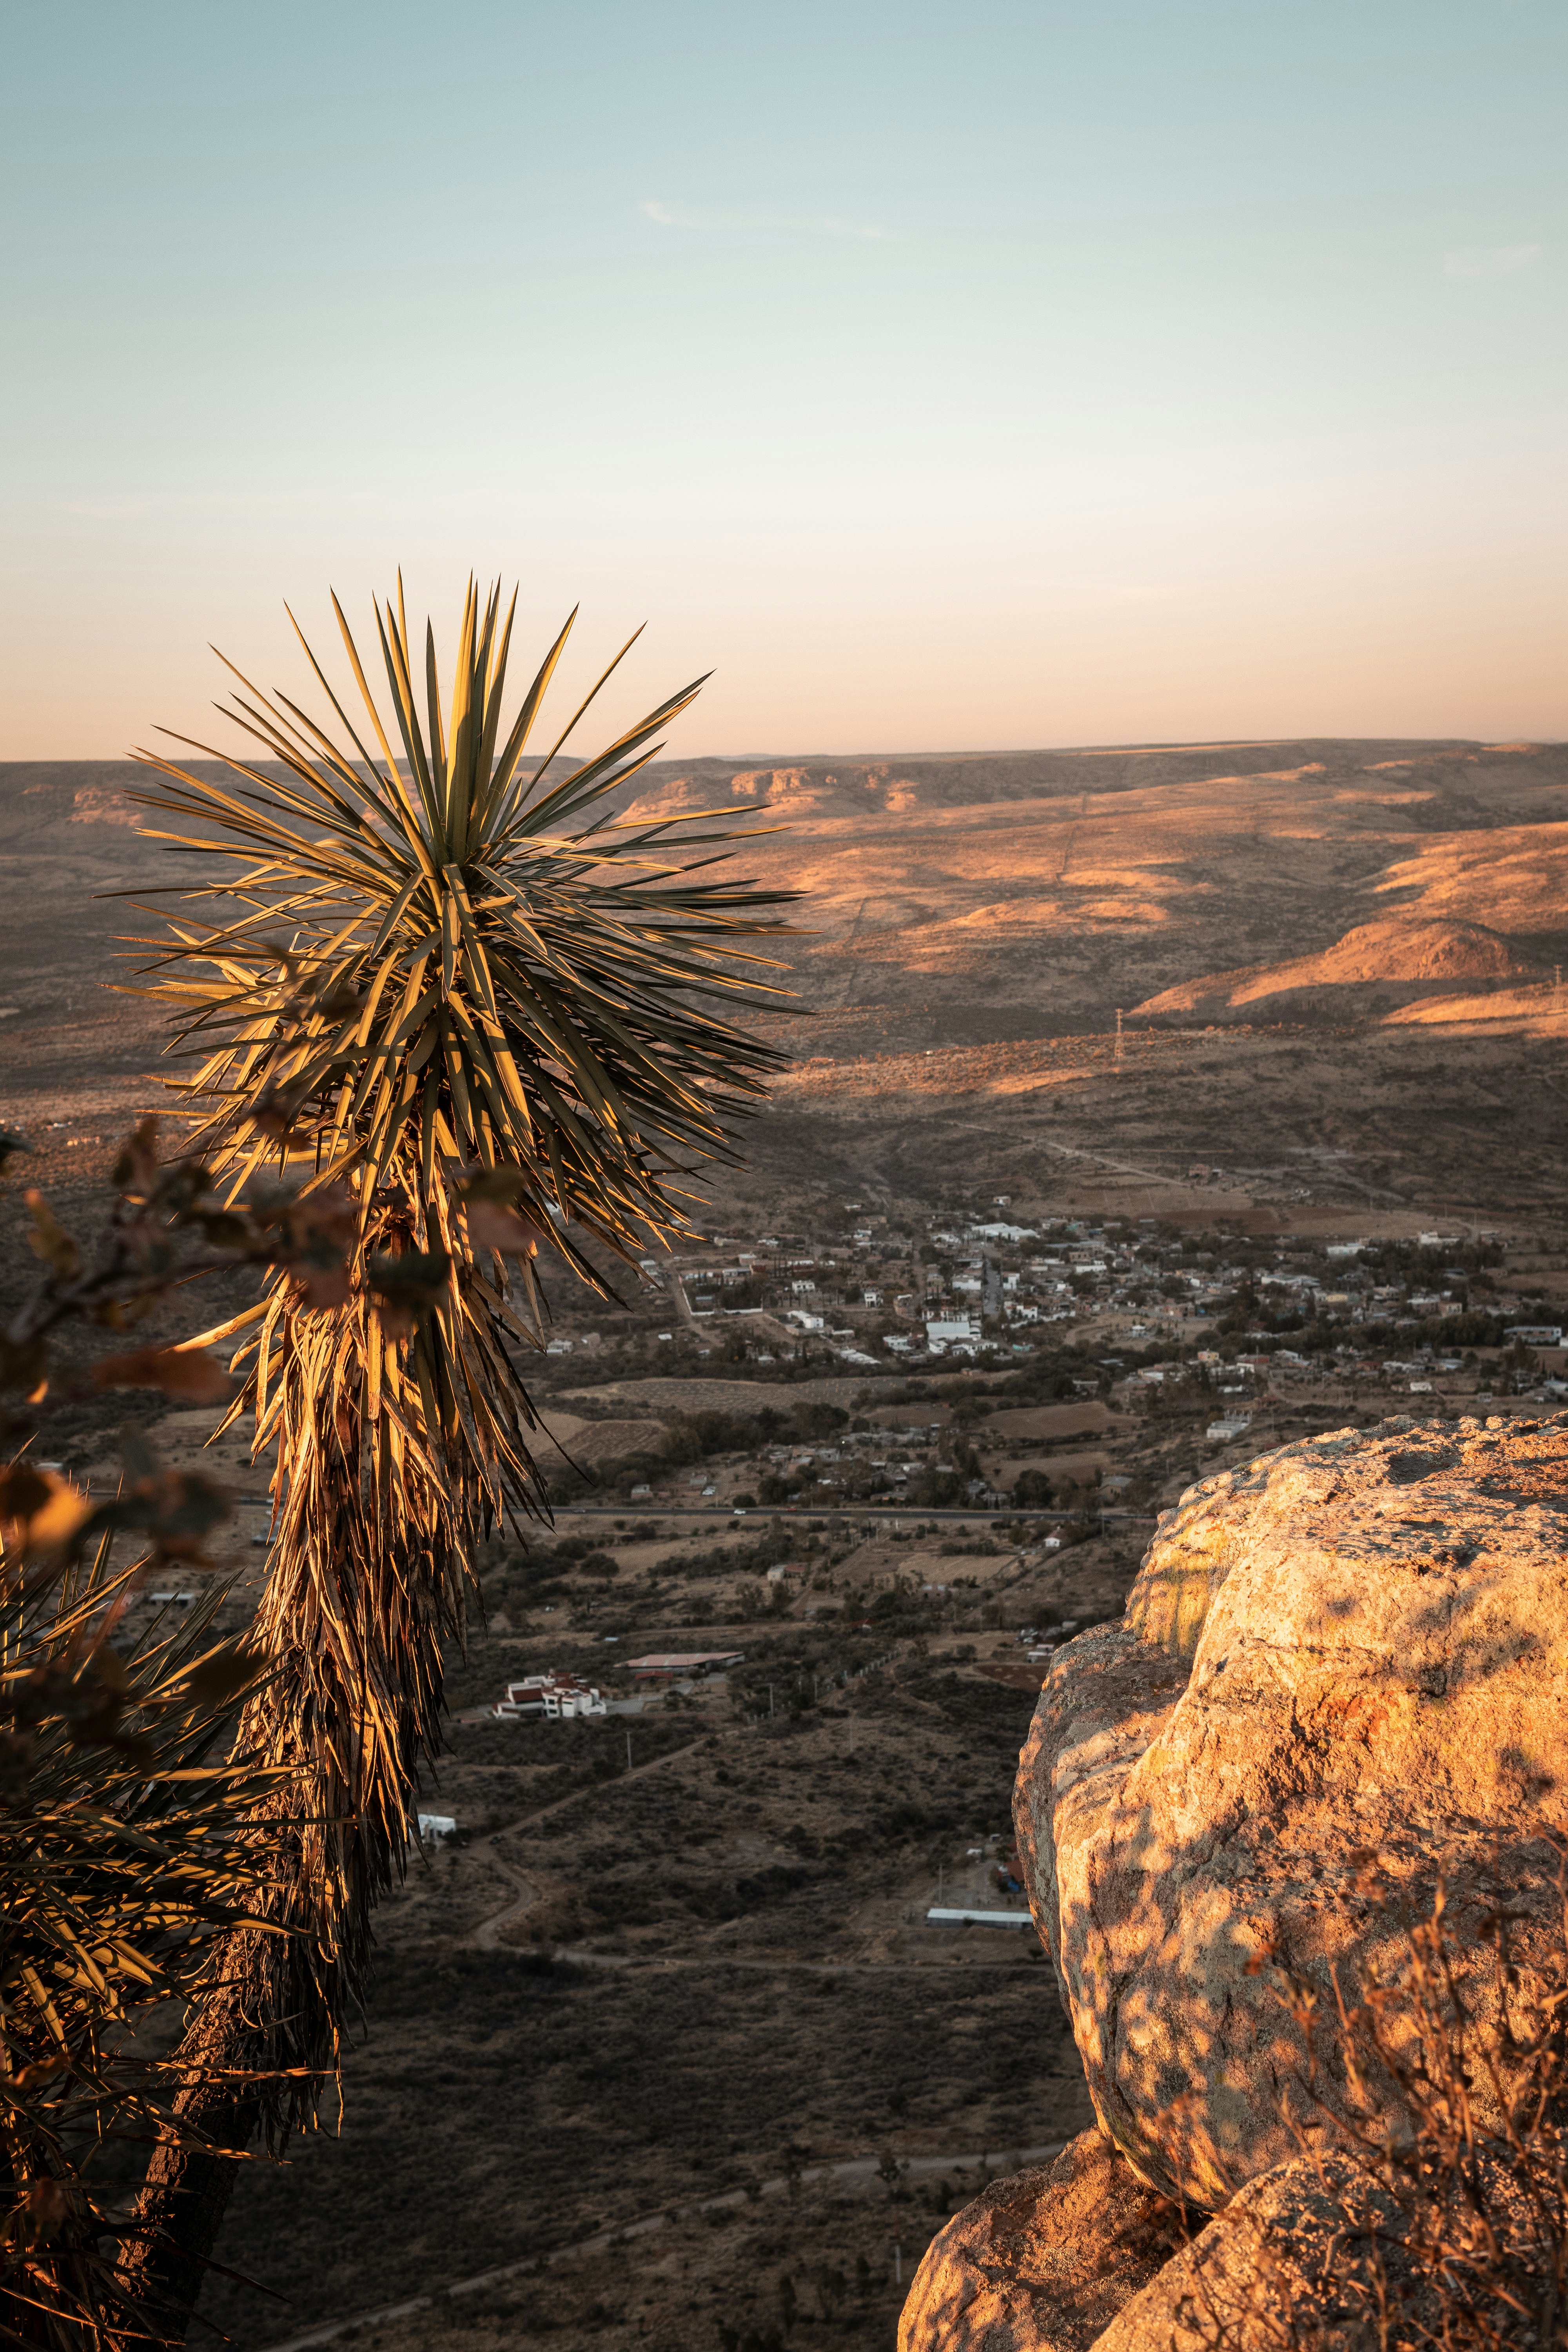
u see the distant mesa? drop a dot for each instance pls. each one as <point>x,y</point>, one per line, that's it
<point>908,785</point>
<point>1374,968</point>
<point>101,805</point>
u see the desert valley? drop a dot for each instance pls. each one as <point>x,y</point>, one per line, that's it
<point>1146,1109</point>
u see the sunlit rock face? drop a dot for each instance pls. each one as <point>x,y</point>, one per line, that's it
<point>1041,2262</point>
<point>1288,2262</point>
<point>1339,1684</point>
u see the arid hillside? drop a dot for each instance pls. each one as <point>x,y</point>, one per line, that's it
<point>1030,893</point>
<point>1393,960</point>
<point>1372,929</point>
<point>977,899</point>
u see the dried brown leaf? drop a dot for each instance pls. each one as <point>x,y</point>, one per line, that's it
<point>52,1517</point>
<point>325,1286</point>
<point>136,1169</point>
<point>221,1679</point>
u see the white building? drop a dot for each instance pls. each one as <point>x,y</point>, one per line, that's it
<point>559,1698</point>
<point>564,1704</point>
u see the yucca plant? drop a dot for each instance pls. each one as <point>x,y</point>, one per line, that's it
<point>466,1011</point>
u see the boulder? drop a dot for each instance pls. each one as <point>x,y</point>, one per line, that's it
<point>1090,1725</point>
<point>1041,2262</point>
<point>1296,2264</point>
<point>1339,1685</point>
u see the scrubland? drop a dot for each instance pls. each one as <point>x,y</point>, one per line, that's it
<point>623,1993</point>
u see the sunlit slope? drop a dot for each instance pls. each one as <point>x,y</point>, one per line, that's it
<point>957,901</point>
<point>1515,879</point>
<point>1377,964</point>
<point>1008,895</point>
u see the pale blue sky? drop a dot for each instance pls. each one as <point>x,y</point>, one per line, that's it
<point>946,377</point>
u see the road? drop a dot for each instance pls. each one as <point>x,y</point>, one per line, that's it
<point>877,1515</point>
<point>487,1936</point>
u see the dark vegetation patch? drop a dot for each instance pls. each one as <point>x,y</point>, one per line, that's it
<point>503,2101</point>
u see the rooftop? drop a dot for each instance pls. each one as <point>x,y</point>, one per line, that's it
<point>680,1662</point>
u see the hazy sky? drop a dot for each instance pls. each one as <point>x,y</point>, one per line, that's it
<point>942,377</point>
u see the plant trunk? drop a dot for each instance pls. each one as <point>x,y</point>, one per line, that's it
<point>366,1584</point>
<point>190,2180</point>
<point>181,2209</point>
<point>355,1612</point>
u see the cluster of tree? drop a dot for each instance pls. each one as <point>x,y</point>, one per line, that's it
<point>539,1571</point>
<point>753,1557</point>
<point>705,1435</point>
<point>1319,1334</point>
<point>1048,1380</point>
<point>1468,1329</point>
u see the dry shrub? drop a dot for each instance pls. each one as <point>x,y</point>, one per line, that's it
<point>128,1854</point>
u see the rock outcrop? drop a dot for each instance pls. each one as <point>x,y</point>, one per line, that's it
<point>1041,2262</point>
<point>1297,2259</point>
<point>1340,1681</point>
